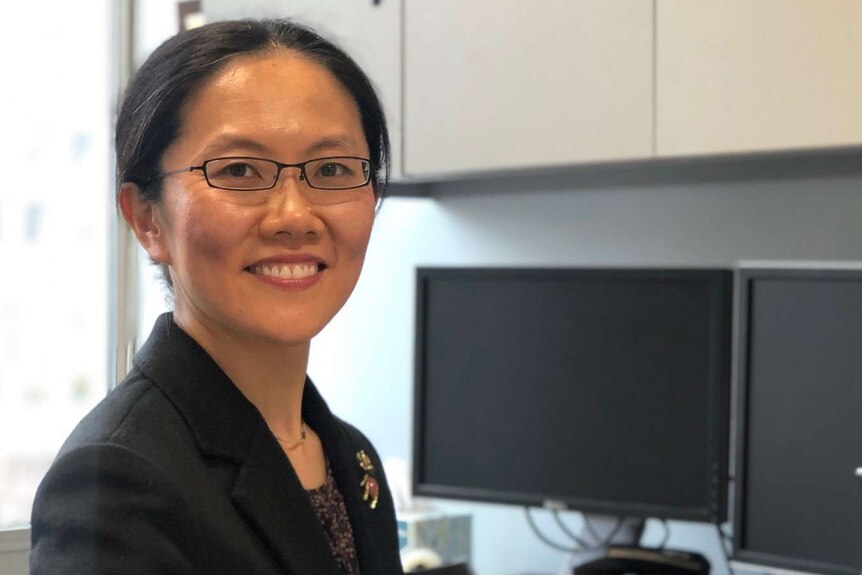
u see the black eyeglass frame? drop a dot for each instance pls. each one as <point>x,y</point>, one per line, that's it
<point>303,175</point>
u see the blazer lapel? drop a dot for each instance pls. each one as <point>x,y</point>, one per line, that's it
<point>363,519</point>
<point>227,426</point>
<point>269,494</point>
<point>367,523</point>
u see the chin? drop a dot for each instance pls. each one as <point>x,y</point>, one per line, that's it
<point>288,333</point>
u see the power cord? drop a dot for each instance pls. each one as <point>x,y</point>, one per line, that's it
<point>582,545</point>
<point>576,538</point>
<point>725,539</point>
<point>666,537</point>
<point>545,540</point>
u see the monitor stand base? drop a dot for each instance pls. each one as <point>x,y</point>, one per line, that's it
<point>621,560</point>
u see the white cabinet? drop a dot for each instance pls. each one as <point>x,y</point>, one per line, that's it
<point>368,30</point>
<point>481,87</point>
<point>737,76</point>
<point>514,84</point>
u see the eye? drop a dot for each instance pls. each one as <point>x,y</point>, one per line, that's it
<point>333,169</point>
<point>238,170</point>
<point>241,173</point>
<point>337,173</point>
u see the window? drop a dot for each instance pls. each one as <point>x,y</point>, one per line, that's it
<point>155,22</point>
<point>56,206</point>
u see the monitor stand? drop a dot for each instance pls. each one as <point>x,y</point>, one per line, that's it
<point>608,528</point>
<point>625,555</point>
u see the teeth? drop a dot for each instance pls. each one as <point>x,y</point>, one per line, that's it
<point>287,272</point>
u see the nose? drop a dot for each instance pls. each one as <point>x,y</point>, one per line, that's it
<point>289,213</point>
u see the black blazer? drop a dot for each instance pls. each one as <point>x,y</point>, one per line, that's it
<point>176,471</point>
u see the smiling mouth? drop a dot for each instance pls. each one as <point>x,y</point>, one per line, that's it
<point>287,271</point>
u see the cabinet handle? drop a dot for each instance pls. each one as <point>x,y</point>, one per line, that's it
<point>376,2</point>
<point>858,472</point>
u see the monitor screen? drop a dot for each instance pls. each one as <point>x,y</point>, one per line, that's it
<point>601,390</point>
<point>798,498</point>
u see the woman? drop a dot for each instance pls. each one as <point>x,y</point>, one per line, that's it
<point>251,159</point>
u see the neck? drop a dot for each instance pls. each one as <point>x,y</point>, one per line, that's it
<point>271,375</point>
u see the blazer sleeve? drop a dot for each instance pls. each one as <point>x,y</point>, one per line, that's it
<point>104,509</point>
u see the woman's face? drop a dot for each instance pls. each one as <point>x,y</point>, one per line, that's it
<point>273,265</point>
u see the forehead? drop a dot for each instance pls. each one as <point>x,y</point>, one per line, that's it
<point>281,99</point>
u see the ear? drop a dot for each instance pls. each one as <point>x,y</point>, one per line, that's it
<point>146,220</point>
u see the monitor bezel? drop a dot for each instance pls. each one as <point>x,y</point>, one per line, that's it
<point>745,279</point>
<point>721,281</point>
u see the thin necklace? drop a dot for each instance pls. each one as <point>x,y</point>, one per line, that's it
<point>291,446</point>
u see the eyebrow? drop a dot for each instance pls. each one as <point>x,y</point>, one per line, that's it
<point>332,143</point>
<point>231,141</point>
<point>227,141</point>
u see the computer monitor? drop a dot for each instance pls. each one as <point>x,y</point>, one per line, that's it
<point>599,390</point>
<point>798,498</point>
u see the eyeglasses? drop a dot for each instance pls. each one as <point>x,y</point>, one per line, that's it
<point>253,174</point>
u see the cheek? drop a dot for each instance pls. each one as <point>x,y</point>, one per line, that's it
<point>204,231</point>
<point>206,239</point>
<point>354,233</point>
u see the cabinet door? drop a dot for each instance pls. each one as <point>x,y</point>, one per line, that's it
<point>368,30</point>
<point>514,84</point>
<point>738,75</point>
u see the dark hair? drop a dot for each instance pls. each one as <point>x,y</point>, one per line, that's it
<point>150,116</point>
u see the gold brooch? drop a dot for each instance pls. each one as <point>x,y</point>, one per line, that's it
<point>369,485</point>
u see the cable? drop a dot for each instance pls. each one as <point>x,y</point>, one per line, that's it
<point>664,540</point>
<point>576,538</point>
<point>726,540</point>
<point>544,539</point>
<point>620,522</point>
<point>583,546</point>
<point>723,539</point>
<point>589,526</point>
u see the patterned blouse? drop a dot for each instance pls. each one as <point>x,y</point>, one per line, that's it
<point>330,509</point>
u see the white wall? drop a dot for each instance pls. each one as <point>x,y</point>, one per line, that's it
<point>14,563</point>
<point>14,552</point>
<point>713,215</point>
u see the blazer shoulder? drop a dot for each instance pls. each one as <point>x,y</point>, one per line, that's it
<point>138,416</point>
<point>102,422</point>
<point>359,440</point>
<point>353,432</point>
<point>103,508</point>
